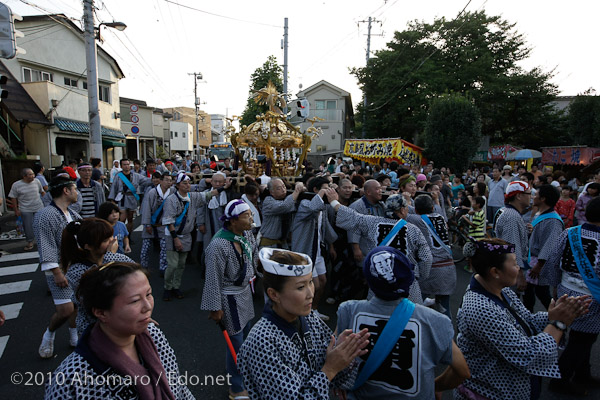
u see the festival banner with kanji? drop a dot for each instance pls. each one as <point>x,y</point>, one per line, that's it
<point>569,155</point>
<point>372,151</point>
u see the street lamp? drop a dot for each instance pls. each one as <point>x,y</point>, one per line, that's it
<point>91,33</point>
<point>120,26</point>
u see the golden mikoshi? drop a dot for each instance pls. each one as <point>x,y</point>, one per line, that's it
<point>272,138</point>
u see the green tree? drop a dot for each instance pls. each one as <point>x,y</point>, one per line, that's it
<point>584,119</point>
<point>452,131</point>
<point>475,55</point>
<point>269,71</point>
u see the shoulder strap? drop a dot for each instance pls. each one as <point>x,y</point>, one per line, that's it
<point>387,340</point>
<point>585,267</point>
<point>390,236</point>
<point>129,185</point>
<point>550,215</point>
<point>434,233</point>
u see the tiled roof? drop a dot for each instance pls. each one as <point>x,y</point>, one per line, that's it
<point>69,125</point>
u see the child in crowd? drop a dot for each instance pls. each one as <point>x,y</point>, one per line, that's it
<point>592,191</point>
<point>477,225</point>
<point>110,212</point>
<point>565,207</point>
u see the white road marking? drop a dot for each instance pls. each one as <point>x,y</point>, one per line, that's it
<point>19,256</point>
<point>11,311</point>
<point>3,341</point>
<point>14,287</point>
<point>18,269</point>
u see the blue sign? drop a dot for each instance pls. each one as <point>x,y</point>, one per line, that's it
<point>135,130</point>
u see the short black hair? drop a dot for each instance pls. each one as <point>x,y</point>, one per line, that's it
<point>592,211</point>
<point>482,261</point>
<point>528,175</point>
<point>251,189</point>
<point>316,182</point>
<point>106,209</point>
<point>423,204</point>
<point>58,184</point>
<point>480,201</point>
<point>382,178</point>
<point>95,161</point>
<point>550,194</point>
<point>156,175</point>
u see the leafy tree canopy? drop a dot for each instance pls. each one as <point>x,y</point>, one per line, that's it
<point>475,55</point>
<point>452,131</point>
<point>584,119</point>
<point>269,71</point>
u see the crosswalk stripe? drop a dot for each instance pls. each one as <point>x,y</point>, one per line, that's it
<point>11,311</point>
<point>139,228</point>
<point>3,341</point>
<point>19,256</point>
<point>18,269</point>
<point>14,287</point>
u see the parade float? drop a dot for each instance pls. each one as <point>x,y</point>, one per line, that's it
<point>272,145</point>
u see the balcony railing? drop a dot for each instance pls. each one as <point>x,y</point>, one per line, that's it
<point>327,115</point>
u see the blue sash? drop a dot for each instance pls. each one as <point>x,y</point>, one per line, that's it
<point>387,340</point>
<point>549,215</point>
<point>585,267</point>
<point>540,218</point>
<point>390,236</point>
<point>437,237</point>
<point>157,213</point>
<point>181,216</point>
<point>128,184</point>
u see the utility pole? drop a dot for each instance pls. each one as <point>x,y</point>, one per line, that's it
<point>197,75</point>
<point>369,22</point>
<point>92,80</point>
<point>285,64</point>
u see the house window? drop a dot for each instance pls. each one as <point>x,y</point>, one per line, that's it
<point>104,93</point>
<point>183,135</point>
<point>171,134</point>
<point>175,134</point>
<point>84,85</point>
<point>70,82</point>
<point>34,75</point>
<point>326,109</point>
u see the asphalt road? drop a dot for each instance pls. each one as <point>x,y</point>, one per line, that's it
<point>197,341</point>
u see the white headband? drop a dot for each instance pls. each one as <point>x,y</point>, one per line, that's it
<point>234,209</point>
<point>277,268</point>
<point>182,177</point>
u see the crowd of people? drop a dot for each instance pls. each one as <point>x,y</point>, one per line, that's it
<point>377,240</point>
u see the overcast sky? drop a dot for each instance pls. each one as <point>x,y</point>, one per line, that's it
<point>227,40</point>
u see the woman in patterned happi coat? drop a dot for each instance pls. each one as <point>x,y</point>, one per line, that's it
<point>508,349</point>
<point>123,355</point>
<point>291,353</point>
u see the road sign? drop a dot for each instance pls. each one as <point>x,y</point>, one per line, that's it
<point>135,130</point>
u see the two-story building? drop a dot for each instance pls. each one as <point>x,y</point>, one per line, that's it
<point>334,106</point>
<point>54,74</point>
<point>181,138</point>
<point>137,124</point>
<point>188,115</point>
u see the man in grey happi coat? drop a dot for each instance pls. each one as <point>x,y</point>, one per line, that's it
<point>276,212</point>
<point>209,215</point>
<point>311,232</point>
<point>123,196</point>
<point>369,204</point>
<point>179,216</point>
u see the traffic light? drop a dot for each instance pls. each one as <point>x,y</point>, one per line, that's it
<point>3,91</point>
<point>303,108</point>
<point>8,34</point>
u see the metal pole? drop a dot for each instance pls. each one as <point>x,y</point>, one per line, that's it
<point>365,94</point>
<point>196,104</point>
<point>92,80</point>
<point>285,64</point>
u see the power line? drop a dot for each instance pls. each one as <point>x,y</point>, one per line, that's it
<point>419,65</point>
<point>224,16</point>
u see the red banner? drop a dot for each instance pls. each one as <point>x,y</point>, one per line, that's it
<point>569,155</point>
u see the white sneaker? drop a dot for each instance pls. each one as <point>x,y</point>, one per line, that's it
<point>428,302</point>
<point>46,349</point>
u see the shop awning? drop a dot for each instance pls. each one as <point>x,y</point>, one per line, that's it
<point>72,126</point>
<point>112,143</point>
